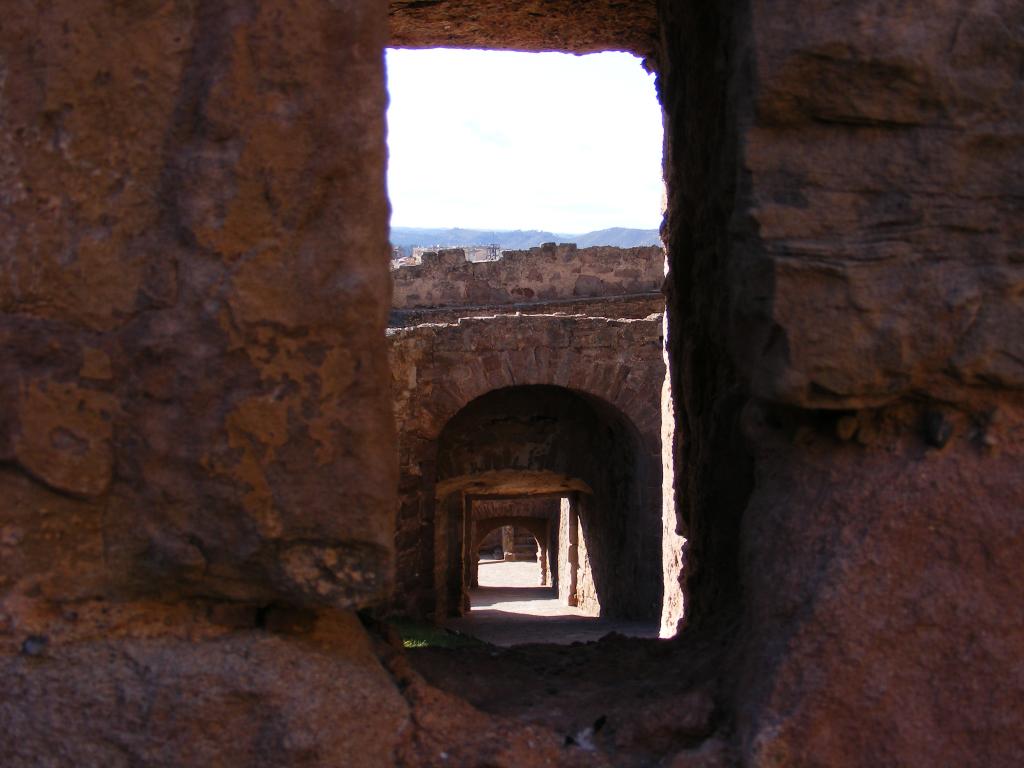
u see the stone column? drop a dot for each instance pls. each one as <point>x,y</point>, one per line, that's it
<point>568,549</point>
<point>542,555</point>
<point>508,542</point>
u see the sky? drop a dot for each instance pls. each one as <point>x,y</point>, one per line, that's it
<point>503,140</point>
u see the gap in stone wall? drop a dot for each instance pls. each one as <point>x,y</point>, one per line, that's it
<point>460,332</point>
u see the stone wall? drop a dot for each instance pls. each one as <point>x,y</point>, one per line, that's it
<point>439,369</point>
<point>630,306</point>
<point>544,508</point>
<point>159,296</point>
<point>587,598</point>
<point>845,306</point>
<point>193,418</point>
<point>549,273</point>
<point>527,25</point>
<point>434,346</point>
<point>198,474</point>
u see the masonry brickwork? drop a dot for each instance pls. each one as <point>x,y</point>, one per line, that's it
<point>549,273</point>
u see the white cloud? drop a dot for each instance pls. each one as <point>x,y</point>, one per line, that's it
<point>502,140</point>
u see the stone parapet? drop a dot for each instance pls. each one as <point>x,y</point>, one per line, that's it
<point>631,305</point>
<point>548,273</point>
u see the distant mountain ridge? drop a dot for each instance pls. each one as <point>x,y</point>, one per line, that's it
<point>520,239</point>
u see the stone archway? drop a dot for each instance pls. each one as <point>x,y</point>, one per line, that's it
<point>438,369</point>
<point>547,440</point>
<point>537,516</point>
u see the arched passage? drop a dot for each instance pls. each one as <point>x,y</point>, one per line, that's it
<point>522,529</point>
<point>618,363</point>
<point>543,440</point>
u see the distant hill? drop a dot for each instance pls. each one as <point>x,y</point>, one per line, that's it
<point>617,236</point>
<point>520,239</point>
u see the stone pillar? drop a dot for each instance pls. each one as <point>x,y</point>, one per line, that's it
<point>508,542</point>
<point>568,549</point>
<point>587,598</point>
<point>542,556</point>
<point>468,557</point>
<point>450,557</point>
<point>472,551</point>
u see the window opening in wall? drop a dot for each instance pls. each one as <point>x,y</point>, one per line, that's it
<point>526,338</point>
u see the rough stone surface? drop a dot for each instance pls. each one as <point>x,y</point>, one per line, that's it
<point>884,195</point>
<point>245,698</point>
<point>611,702</point>
<point>587,596</point>
<point>673,543</point>
<point>489,509</point>
<point>193,286</point>
<point>193,295</point>
<point>525,25</point>
<point>912,588</point>
<point>849,269</point>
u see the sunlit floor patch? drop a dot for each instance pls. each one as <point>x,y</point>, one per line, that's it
<point>508,608</point>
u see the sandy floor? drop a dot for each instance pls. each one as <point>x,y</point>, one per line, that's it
<point>510,609</point>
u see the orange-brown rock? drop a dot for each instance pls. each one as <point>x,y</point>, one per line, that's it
<point>176,344</point>
<point>850,269</point>
<point>198,476</point>
<point>525,25</point>
<point>242,697</point>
